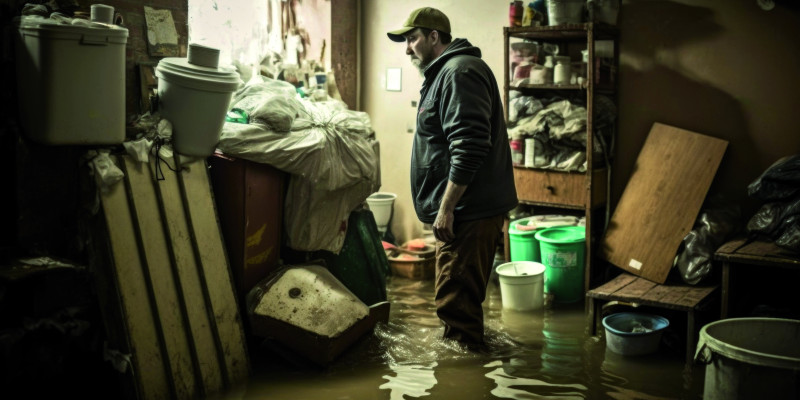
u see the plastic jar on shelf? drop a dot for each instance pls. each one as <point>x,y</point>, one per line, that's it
<point>562,71</point>
<point>548,66</point>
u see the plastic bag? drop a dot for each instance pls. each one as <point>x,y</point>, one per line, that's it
<point>105,171</point>
<point>269,102</point>
<point>771,218</point>
<point>713,227</point>
<point>333,164</point>
<point>780,181</point>
<point>790,235</point>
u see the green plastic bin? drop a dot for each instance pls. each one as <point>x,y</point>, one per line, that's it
<point>522,244</point>
<point>562,253</point>
<point>361,265</point>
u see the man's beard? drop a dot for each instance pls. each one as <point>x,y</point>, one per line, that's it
<point>420,64</point>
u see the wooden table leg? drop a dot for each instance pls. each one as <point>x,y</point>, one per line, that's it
<point>591,311</point>
<point>726,281</point>
<point>690,336</point>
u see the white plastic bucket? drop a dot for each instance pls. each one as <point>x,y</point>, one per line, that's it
<point>750,358</point>
<point>521,285</point>
<point>560,12</point>
<point>195,100</point>
<point>380,204</point>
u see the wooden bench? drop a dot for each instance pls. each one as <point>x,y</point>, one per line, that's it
<point>753,253</point>
<point>639,291</point>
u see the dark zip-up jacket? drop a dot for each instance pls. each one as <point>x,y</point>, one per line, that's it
<point>461,136</point>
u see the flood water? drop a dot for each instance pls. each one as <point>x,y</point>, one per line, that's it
<point>544,354</point>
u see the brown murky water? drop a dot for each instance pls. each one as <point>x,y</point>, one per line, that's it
<point>546,354</point>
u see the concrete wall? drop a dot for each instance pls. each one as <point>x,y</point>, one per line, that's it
<point>722,68</point>
<point>727,69</point>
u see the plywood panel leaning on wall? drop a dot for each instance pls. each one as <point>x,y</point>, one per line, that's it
<point>661,200</point>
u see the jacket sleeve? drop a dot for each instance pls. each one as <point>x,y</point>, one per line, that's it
<point>466,111</point>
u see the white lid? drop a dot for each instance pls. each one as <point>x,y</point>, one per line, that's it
<point>48,28</point>
<point>179,70</point>
<point>562,59</point>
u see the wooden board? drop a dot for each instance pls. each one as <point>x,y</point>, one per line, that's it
<point>661,201</point>
<point>757,252</point>
<point>170,276</point>
<point>641,291</point>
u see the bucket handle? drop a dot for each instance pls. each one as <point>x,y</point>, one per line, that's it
<point>703,355</point>
<point>94,40</point>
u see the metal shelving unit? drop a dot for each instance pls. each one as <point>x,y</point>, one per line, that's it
<point>581,192</point>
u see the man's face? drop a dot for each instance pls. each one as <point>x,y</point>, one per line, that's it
<point>420,48</point>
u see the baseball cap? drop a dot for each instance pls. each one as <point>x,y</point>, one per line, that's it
<point>425,17</point>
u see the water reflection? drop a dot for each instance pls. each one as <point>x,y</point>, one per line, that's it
<point>543,354</point>
<point>506,375</point>
<point>411,380</point>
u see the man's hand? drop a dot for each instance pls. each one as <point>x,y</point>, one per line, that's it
<point>443,226</point>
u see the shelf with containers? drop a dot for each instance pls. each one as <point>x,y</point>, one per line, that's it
<point>567,118</point>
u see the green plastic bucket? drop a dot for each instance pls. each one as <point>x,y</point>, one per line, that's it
<point>562,253</point>
<point>522,243</point>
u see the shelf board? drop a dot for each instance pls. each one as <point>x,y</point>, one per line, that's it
<point>547,87</point>
<point>606,89</point>
<point>568,31</point>
<point>552,205</point>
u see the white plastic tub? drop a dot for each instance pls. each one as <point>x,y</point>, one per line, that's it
<point>71,82</point>
<point>521,285</point>
<point>195,100</point>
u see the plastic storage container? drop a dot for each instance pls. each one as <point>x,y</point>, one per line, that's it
<point>750,358</point>
<point>195,99</point>
<point>71,82</point>
<point>521,286</point>
<point>563,251</point>
<point>523,245</point>
<point>560,12</point>
<point>634,334</point>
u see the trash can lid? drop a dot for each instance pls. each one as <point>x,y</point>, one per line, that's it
<point>180,70</point>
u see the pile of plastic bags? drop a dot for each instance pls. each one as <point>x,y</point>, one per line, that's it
<point>779,217</point>
<point>323,145</point>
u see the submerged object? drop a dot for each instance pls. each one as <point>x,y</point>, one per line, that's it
<point>307,309</point>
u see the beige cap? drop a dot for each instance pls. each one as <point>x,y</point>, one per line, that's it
<point>426,17</point>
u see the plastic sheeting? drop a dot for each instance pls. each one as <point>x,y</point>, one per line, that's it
<point>779,218</point>
<point>327,151</point>
<point>780,181</point>
<point>558,127</point>
<point>713,227</point>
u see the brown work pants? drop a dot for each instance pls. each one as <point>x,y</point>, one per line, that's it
<point>463,266</point>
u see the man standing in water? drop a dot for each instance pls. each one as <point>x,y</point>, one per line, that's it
<point>462,180</point>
